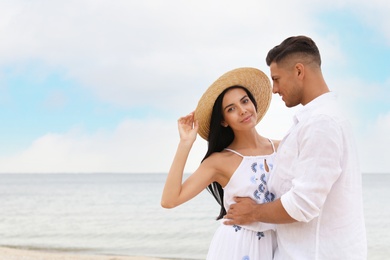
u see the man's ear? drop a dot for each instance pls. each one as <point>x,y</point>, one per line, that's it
<point>300,70</point>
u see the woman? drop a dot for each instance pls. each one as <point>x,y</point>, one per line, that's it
<point>237,163</point>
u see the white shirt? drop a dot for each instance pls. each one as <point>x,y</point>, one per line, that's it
<point>317,177</point>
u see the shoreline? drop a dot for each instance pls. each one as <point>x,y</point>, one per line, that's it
<point>10,253</point>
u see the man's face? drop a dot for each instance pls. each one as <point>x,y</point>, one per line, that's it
<point>286,84</point>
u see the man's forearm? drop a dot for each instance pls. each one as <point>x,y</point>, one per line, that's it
<point>246,211</point>
<point>272,212</point>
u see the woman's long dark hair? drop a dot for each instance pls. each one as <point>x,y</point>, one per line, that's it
<point>219,138</point>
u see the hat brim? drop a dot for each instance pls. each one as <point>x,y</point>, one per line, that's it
<point>252,79</point>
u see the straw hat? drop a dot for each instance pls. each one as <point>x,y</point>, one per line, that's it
<point>252,79</point>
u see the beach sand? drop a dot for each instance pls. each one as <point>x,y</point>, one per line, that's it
<point>21,254</point>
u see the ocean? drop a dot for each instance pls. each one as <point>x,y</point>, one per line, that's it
<point>120,214</point>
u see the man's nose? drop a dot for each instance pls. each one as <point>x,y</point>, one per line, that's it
<point>275,89</point>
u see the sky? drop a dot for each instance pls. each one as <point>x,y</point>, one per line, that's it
<point>92,86</point>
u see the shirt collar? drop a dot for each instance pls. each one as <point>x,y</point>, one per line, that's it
<point>306,111</point>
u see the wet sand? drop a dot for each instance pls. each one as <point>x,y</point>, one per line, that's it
<point>22,254</point>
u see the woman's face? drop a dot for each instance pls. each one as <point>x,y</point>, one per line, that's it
<point>238,110</point>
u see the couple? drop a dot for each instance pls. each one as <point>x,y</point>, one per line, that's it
<point>303,201</point>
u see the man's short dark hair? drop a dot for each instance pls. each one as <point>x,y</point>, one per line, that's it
<point>299,45</point>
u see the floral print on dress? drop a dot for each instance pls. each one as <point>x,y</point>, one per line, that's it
<point>259,177</point>
<point>237,228</point>
<point>260,235</point>
<point>269,196</point>
<point>253,167</point>
<point>261,193</point>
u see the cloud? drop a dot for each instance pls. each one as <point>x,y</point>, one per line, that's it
<point>278,119</point>
<point>137,146</point>
<point>162,55</point>
<point>374,146</point>
<point>55,100</point>
<point>125,149</point>
<point>134,146</point>
<point>375,15</point>
<point>129,53</point>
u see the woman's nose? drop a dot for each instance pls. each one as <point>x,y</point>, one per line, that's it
<point>243,110</point>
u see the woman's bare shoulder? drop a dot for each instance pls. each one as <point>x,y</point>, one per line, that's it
<point>218,158</point>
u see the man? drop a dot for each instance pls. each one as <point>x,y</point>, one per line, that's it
<point>317,181</point>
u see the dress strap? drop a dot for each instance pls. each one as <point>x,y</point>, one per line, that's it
<point>272,143</point>
<point>230,150</point>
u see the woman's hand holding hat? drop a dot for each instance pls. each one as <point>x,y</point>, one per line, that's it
<point>188,128</point>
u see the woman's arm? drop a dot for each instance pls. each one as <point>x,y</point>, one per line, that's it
<point>175,191</point>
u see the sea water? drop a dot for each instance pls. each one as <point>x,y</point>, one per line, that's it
<point>120,214</point>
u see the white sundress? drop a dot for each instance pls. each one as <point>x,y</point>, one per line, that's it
<point>256,241</point>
